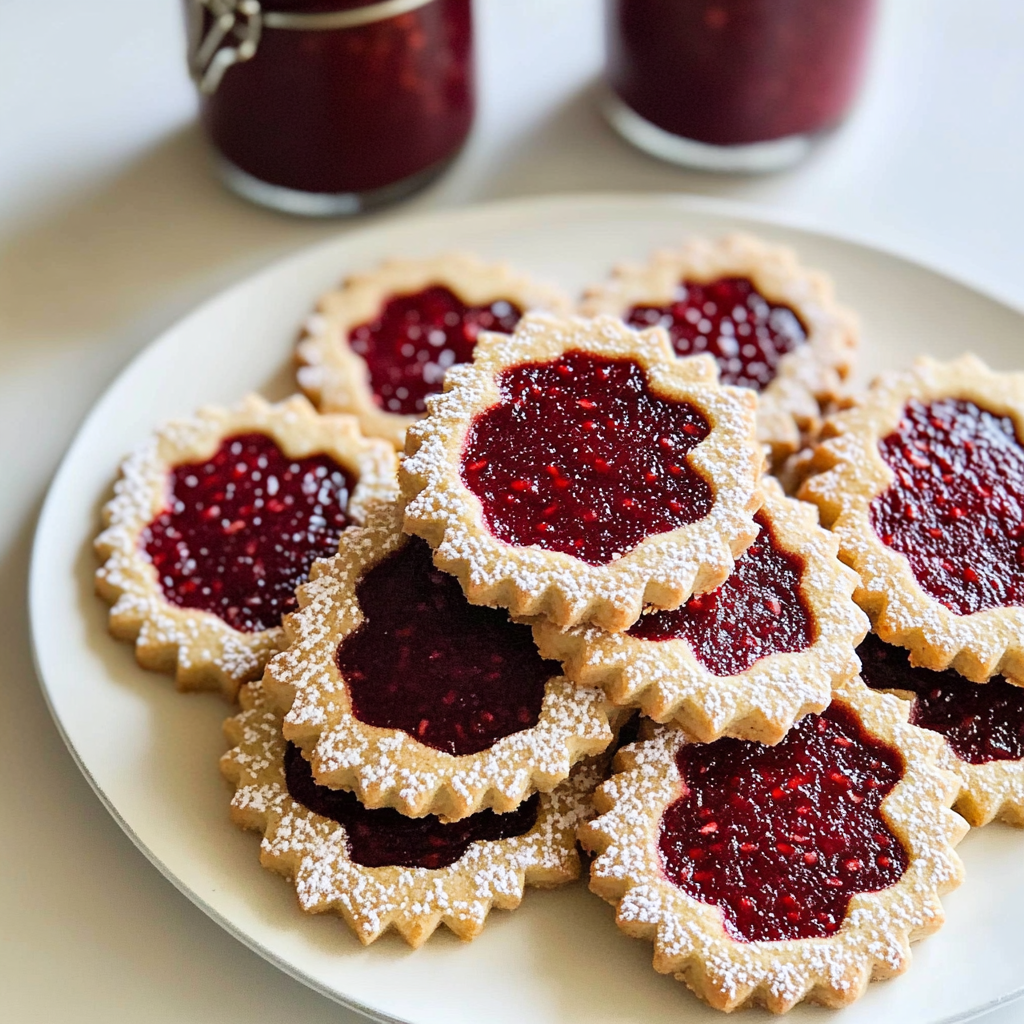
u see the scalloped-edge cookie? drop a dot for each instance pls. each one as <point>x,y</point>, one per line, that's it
<point>746,660</point>
<point>982,725</point>
<point>901,797</point>
<point>375,880</point>
<point>201,648</point>
<point>618,475</point>
<point>446,740</point>
<point>793,470</point>
<point>808,375</point>
<point>333,370</point>
<point>943,494</point>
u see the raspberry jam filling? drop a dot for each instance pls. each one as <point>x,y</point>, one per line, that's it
<point>732,321</point>
<point>580,456</point>
<point>242,529</point>
<point>782,837</point>
<point>981,722</point>
<point>759,610</point>
<point>456,676</point>
<point>956,508</point>
<point>383,837</point>
<point>408,347</point>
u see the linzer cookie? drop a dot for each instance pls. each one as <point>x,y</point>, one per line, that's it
<point>381,343</point>
<point>396,687</point>
<point>214,522</point>
<point>579,471</point>
<point>772,875</point>
<point>379,870</point>
<point>771,324</point>
<point>923,484</point>
<point>982,724</point>
<point>746,660</point>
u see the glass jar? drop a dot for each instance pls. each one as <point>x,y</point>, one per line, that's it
<point>732,85</point>
<point>324,107</point>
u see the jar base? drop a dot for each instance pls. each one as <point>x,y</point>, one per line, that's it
<point>322,204</point>
<point>748,158</point>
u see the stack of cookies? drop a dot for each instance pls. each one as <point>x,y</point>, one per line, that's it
<point>585,563</point>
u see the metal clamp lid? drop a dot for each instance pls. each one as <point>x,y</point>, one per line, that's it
<point>233,30</point>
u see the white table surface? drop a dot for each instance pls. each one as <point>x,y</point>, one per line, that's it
<point>111,228</point>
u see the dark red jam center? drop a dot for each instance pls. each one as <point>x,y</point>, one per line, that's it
<point>730,320</point>
<point>242,529</point>
<point>981,722</point>
<point>759,610</point>
<point>414,340</point>
<point>382,837</point>
<point>782,837</point>
<point>581,456</point>
<point>956,507</point>
<point>456,676</point>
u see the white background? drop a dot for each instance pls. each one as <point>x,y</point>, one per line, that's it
<point>111,228</point>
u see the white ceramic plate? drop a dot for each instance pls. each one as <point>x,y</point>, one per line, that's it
<point>151,753</point>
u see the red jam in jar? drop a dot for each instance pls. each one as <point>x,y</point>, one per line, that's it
<point>323,107</point>
<point>733,84</point>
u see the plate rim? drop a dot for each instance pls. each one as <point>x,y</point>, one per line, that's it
<point>401,222</point>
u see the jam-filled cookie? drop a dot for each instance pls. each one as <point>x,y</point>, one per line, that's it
<point>746,660</point>
<point>396,687</point>
<point>378,869</point>
<point>771,875</point>
<point>381,343</point>
<point>579,471</point>
<point>214,522</point>
<point>982,724</point>
<point>771,324</point>
<point>922,481</point>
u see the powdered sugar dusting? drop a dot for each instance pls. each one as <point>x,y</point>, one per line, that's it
<point>989,791</point>
<point>200,648</point>
<point>690,939</point>
<point>850,473</point>
<point>313,851</point>
<point>810,374</point>
<point>336,378</point>
<point>663,570</point>
<point>668,682</point>
<point>388,767</point>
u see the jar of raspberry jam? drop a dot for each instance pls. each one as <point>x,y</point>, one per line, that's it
<point>327,107</point>
<point>732,85</point>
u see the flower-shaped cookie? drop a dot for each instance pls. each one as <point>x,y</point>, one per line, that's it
<point>381,343</point>
<point>982,724</point>
<point>214,522</point>
<point>380,870</point>
<point>922,481</point>
<point>579,471</point>
<point>746,660</point>
<point>771,875</point>
<point>398,688</point>
<point>771,324</point>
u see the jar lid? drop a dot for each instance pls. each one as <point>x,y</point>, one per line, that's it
<point>223,33</point>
